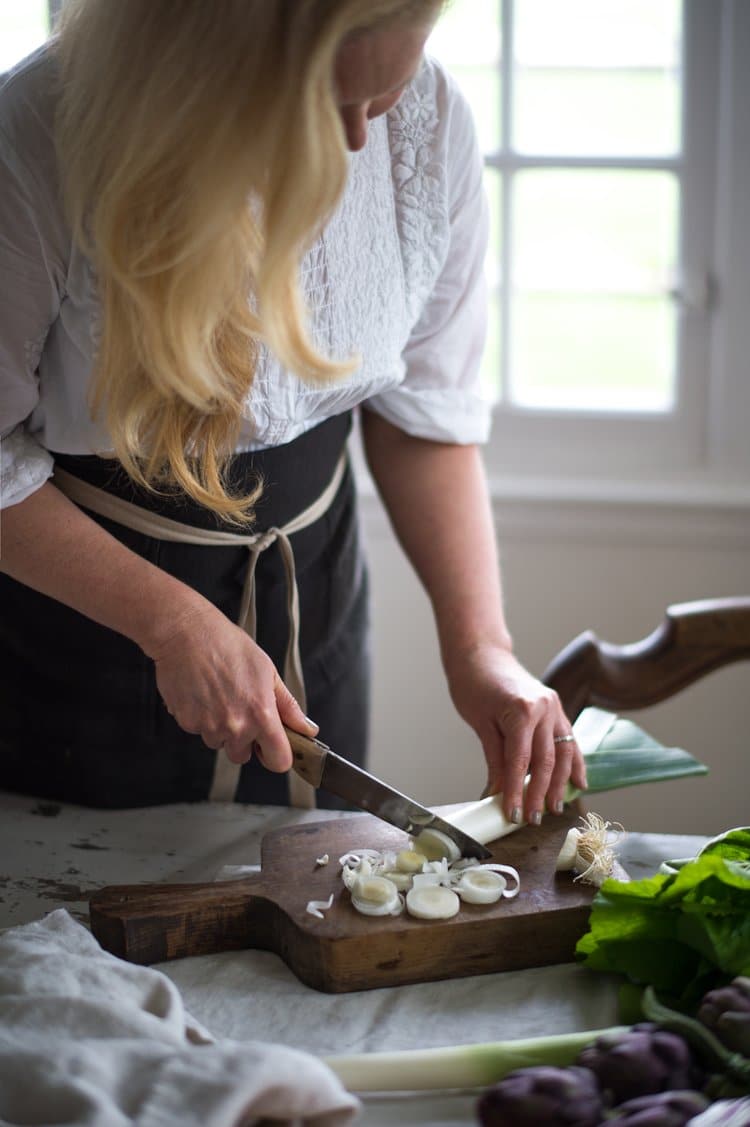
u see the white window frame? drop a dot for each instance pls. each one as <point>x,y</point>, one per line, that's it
<point>701,447</point>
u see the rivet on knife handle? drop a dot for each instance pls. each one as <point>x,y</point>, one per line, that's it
<point>309,756</point>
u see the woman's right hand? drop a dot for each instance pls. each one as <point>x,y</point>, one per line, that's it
<point>218,683</point>
<point>213,678</point>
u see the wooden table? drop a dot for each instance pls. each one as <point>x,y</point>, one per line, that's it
<point>54,856</point>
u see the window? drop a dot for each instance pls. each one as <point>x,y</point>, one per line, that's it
<point>24,25</point>
<point>599,121</point>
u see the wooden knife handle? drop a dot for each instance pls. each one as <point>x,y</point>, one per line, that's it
<point>153,923</point>
<point>309,756</point>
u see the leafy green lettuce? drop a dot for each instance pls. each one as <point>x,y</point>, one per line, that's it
<point>682,931</point>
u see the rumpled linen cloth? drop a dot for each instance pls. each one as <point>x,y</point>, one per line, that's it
<point>89,1040</point>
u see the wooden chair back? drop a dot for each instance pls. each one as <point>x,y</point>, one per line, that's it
<point>693,639</point>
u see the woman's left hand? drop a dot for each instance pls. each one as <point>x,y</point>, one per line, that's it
<point>516,718</point>
<point>438,501</point>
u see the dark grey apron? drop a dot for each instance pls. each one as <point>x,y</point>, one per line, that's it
<point>81,719</point>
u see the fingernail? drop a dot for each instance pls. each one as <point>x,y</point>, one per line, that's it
<point>515,815</point>
<point>312,723</point>
<point>536,818</point>
<point>559,806</point>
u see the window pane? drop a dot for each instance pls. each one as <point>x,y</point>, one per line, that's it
<point>595,229</point>
<point>467,40</point>
<point>593,319</point>
<point>616,113</point>
<point>24,25</point>
<point>592,352</point>
<point>597,77</point>
<point>606,33</point>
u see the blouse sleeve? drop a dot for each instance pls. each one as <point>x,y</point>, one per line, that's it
<point>440,397</point>
<point>31,280</point>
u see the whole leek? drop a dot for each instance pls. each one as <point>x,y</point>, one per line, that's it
<point>617,754</point>
<point>461,1066</point>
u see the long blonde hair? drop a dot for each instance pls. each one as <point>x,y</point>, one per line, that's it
<point>201,151</point>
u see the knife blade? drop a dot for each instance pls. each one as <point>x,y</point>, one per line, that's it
<point>315,762</point>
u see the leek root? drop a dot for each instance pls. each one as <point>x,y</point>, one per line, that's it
<point>588,850</point>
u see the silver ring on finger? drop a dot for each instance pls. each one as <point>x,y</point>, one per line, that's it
<point>568,739</point>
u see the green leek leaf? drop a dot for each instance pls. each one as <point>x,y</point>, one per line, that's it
<point>620,754</point>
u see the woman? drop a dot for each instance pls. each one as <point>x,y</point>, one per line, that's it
<point>204,285</point>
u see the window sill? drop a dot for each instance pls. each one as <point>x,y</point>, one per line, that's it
<point>703,513</point>
<point>692,491</point>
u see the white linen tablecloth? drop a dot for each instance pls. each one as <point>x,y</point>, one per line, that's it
<point>88,1039</point>
<point>53,856</point>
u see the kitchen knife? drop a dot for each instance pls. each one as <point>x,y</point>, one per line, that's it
<point>318,765</point>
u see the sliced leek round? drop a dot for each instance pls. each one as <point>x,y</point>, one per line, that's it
<point>350,874</point>
<point>432,902</point>
<point>402,881</point>
<point>377,889</point>
<point>422,880</point>
<point>375,896</point>
<point>480,886</point>
<point>410,861</point>
<point>435,845</point>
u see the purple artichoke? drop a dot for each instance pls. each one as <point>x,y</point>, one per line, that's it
<point>725,1113</point>
<point>726,1012</point>
<point>660,1109</point>
<point>641,1061</point>
<point>543,1096</point>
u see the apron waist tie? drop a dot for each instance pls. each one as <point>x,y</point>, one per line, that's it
<point>226,774</point>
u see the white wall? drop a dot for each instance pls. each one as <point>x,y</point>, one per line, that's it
<point>610,568</point>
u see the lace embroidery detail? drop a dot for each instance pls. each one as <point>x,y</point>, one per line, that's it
<point>353,283</point>
<point>95,309</point>
<point>367,278</point>
<point>32,350</point>
<point>420,187</point>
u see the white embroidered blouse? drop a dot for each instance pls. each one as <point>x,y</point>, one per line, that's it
<point>396,279</point>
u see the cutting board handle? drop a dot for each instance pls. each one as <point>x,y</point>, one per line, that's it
<point>154,923</point>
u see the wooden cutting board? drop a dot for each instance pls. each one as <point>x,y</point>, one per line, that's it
<point>346,950</point>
